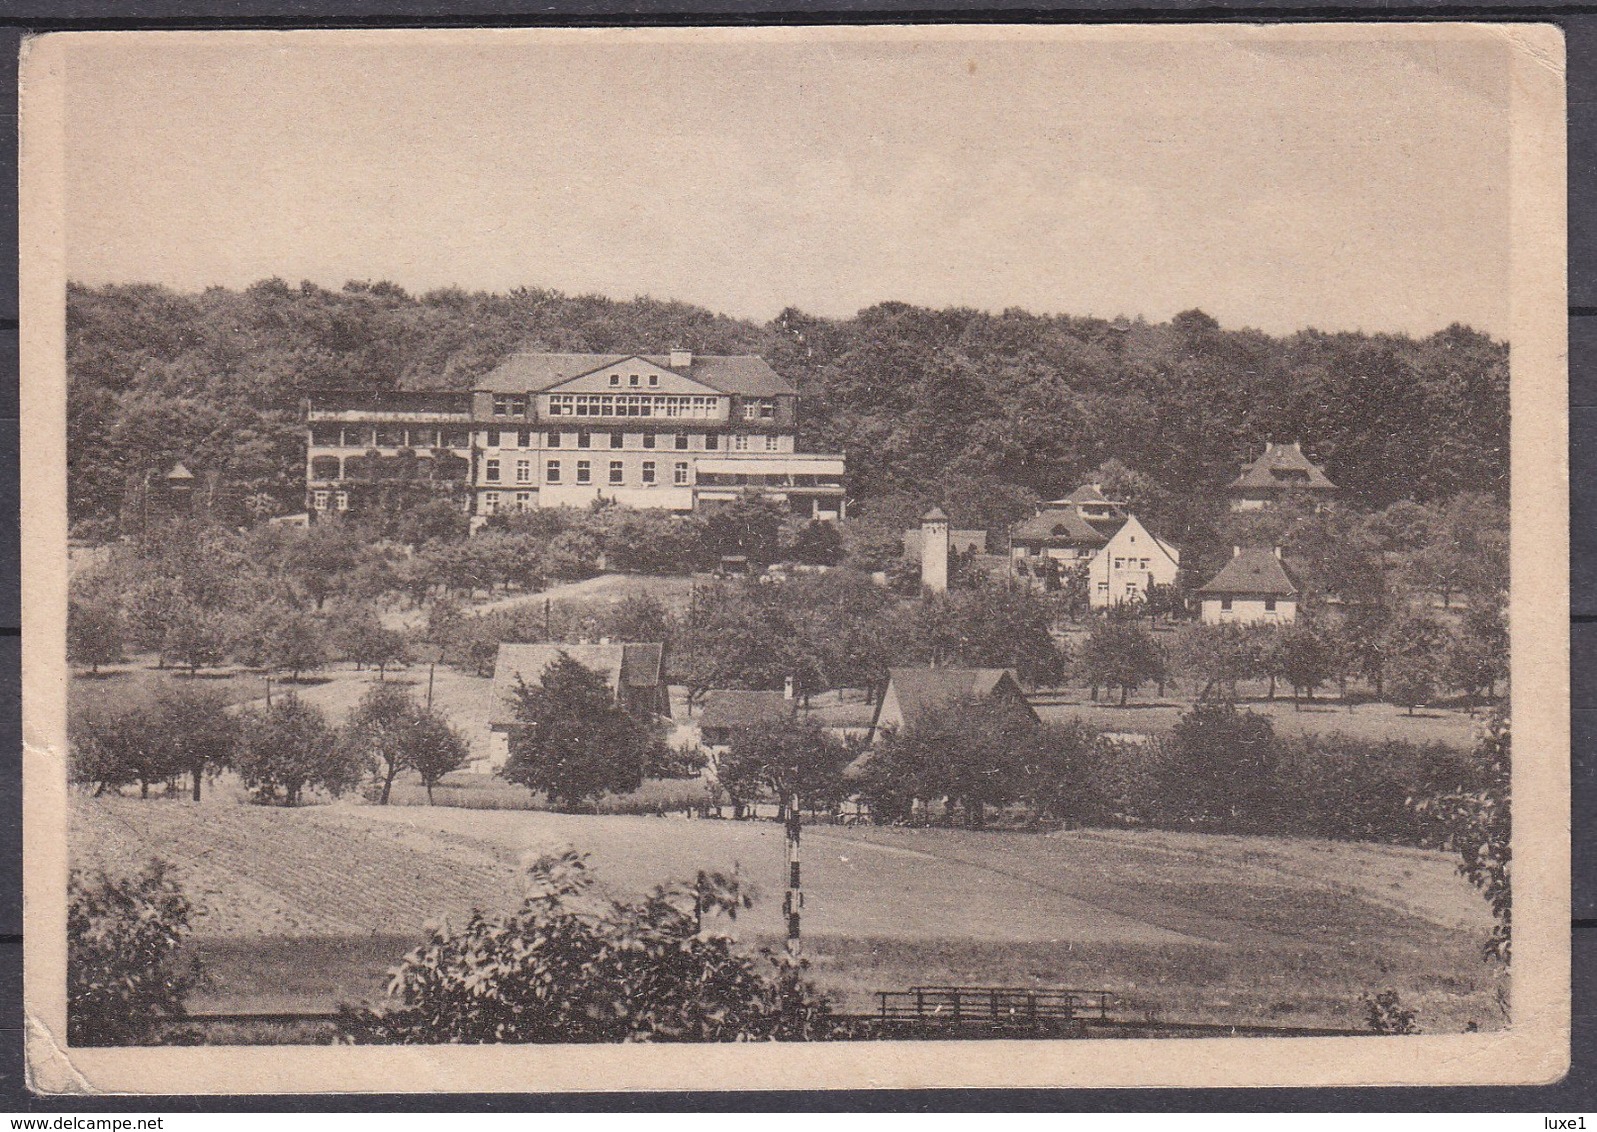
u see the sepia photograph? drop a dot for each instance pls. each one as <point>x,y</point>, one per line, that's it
<point>795,557</point>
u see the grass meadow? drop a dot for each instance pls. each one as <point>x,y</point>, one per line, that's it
<point>306,908</point>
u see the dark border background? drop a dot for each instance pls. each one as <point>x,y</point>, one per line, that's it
<point>1577,1092</point>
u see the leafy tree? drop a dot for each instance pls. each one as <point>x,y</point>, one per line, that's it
<point>116,748</point>
<point>749,525</point>
<point>94,634</point>
<point>1411,678</point>
<point>435,749</point>
<point>1478,825</point>
<point>195,637</point>
<point>971,753</point>
<point>818,543</point>
<point>361,636</point>
<point>1217,656</point>
<point>572,741</point>
<point>123,935</point>
<point>289,746</point>
<point>793,758</point>
<point>1121,653</point>
<point>568,967</point>
<point>296,644</point>
<point>322,557</point>
<point>1477,652</point>
<point>193,726</point>
<point>391,731</point>
<point>1300,655</point>
<point>1224,770</point>
<point>379,728</point>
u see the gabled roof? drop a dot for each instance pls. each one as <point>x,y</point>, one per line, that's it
<point>1064,524</point>
<point>739,374</point>
<point>1253,572</point>
<point>730,708</point>
<point>1284,467</point>
<point>179,472</point>
<point>935,515</point>
<point>923,691</point>
<point>639,665</point>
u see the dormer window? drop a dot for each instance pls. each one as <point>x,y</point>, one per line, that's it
<point>506,405</point>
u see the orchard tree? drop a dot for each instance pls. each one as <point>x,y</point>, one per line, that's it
<point>1121,653</point>
<point>790,758</point>
<point>971,752</point>
<point>94,634</point>
<point>195,637</point>
<point>296,644</point>
<point>379,729</point>
<point>434,748</point>
<point>289,746</point>
<point>1300,656</point>
<point>572,741</point>
<point>194,726</point>
<point>115,748</point>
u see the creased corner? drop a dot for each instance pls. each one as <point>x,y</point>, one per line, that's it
<point>1533,42</point>
<point>48,1065</point>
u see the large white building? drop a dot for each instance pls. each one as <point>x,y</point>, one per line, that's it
<point>561,430</point>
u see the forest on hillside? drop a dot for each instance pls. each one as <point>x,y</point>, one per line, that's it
<point>985,413</point>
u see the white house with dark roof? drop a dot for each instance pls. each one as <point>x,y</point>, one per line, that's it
<point>1253,588</point>
<point>1280,472</point>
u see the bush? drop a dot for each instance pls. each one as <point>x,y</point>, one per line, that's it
<point>122,971</point>
<point>567,967</point>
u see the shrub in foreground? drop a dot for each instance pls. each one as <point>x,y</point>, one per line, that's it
<point>570,966</point>
<point>123,975</point>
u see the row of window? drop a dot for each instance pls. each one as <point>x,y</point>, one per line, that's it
<point>626,405</point>
<point>522,438</point>
<point>553,471</point>
<point>338,499</point>
<point>1131,563</point>
<point>388,436</point>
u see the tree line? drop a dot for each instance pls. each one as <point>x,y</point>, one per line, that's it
<point>279,750</point>
<point>955,405</point>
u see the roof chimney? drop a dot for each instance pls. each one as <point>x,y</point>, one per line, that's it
<point>1236,552</point>
<point>1278,552</point>
<point>787,688</point>
<point>681,359</point>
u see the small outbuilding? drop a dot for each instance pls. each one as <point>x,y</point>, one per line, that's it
<point>914,694</point>
<point>1254,588</point>
<point>727,711</point>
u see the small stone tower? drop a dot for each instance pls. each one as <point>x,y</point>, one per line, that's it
<point>934,551</point>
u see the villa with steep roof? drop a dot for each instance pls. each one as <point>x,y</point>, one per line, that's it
<point>1253,588</point>
<point>670,431</point>
<point>1281,472</point>
<point>1086,528</point>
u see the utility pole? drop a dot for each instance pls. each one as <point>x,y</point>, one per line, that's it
<point>791,905</point>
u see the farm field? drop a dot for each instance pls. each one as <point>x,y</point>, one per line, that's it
<point>304,908</point>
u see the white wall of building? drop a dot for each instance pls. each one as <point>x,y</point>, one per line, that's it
<point>1128,564</point>
<point>1249,611</point>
